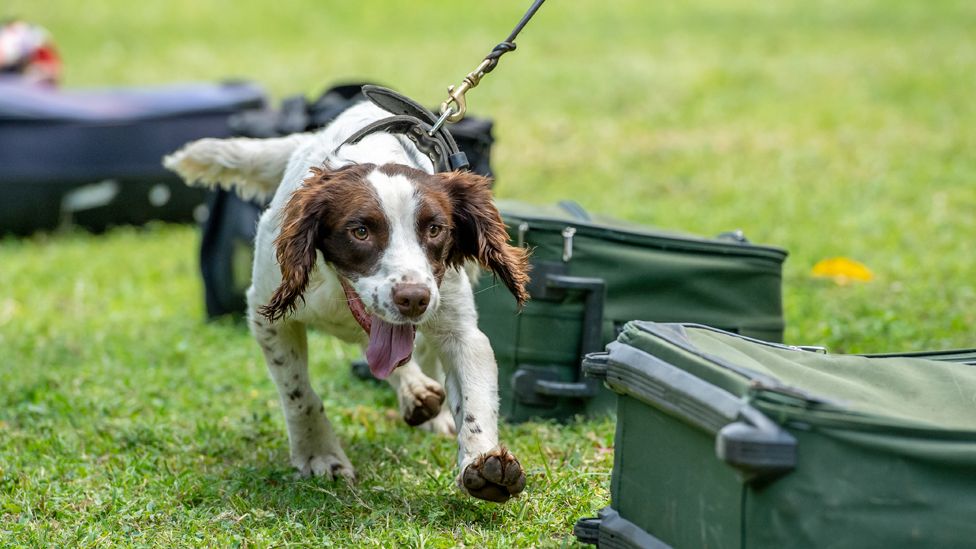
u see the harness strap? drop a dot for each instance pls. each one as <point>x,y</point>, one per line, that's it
<point>397,103</point>
<point>415,122</point>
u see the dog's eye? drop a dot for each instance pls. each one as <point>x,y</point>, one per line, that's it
<point>360,233</point>
<point>434,230</point>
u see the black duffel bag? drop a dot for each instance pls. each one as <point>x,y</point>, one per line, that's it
<point>90,158</point>
<point>226,250</point>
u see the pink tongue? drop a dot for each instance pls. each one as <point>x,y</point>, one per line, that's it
<point>390,345</point>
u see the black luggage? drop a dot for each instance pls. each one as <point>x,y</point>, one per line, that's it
<point>92,157</point>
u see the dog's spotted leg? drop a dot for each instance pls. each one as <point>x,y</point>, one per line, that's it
<point>487,470</point>
<point>315,450</point>
<point>431,379</point>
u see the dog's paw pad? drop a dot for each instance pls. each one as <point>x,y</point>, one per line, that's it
<point>422,403</point>
<point>494,476</point>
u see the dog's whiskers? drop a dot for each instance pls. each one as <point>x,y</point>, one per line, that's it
<point>486,288</point>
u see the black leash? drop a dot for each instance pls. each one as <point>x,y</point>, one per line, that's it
<point>456,94</point>
<point>423,127</point>
<point>508,44</point>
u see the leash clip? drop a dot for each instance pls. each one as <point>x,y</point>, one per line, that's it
<point>440,121</point>
<point>456,93</point>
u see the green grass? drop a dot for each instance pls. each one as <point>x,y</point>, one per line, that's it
<point>829,128</point>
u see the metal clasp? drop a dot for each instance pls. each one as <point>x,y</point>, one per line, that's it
<point>456,94</point>
<point>568,233</point>
<point>440,121</point>
<point>523,229</point>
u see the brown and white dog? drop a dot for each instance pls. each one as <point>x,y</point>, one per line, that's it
<point>365,242</point>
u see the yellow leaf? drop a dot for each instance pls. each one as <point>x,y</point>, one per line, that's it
<point>842,270</point>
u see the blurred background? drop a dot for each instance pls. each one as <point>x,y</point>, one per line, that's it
<point>831,128</point>
<point>836,128</point>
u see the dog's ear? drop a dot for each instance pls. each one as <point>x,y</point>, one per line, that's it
<point>296,244</point>
<point>479,232</point>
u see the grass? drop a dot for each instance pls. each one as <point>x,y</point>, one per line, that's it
<point>829,128</point>
<point>127,420</point>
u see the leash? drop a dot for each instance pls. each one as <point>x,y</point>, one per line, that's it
<point>455,95</point>
<point>421,126</point>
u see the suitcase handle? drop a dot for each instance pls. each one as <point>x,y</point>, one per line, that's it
<point>596,292</point>
<point>533,389</point>
<point>609,529</point>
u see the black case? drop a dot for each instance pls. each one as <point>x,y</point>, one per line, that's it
<point>93,158</point>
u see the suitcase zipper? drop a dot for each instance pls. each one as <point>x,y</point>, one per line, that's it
<point>523,229</point>
<point>805,348</point>
<point>729,245</point>
<point>965,356</point>
<point>568,233</point>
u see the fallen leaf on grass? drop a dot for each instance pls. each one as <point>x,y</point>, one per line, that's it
<point>842,270</point>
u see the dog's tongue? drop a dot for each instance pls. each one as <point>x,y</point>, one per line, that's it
<point>390,345</point>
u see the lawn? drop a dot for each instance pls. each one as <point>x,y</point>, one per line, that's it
<point>833,128</point>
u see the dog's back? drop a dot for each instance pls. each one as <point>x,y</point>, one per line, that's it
<point>257,167</point>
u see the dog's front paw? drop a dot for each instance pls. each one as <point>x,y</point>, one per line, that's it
<point>323,464</point>
<point>441,424</point>
<point>493,476</point>
<point>421,402</point>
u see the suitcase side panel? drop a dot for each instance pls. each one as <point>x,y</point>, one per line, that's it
<point>851,490</point>
<point>667,481</point>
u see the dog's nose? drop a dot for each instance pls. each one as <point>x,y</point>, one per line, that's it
<point>411,299</point>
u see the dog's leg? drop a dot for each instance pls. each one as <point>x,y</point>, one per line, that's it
<point>425,354</point>
<point>419,396</point>
<point>315,450</point>
<point>487,470</point>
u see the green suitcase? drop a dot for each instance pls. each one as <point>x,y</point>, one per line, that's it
<point>724,441</point>
<point>590,275</point>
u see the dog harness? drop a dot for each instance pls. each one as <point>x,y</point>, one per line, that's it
<point>417,124</point>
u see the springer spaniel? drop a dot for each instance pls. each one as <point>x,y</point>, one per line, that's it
<point>365,242</point>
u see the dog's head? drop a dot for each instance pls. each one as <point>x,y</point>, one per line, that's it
<point>391,232</point>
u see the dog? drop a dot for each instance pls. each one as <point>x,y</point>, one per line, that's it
<point>366,242</point>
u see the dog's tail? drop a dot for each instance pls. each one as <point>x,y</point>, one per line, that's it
<point>254,166</point>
